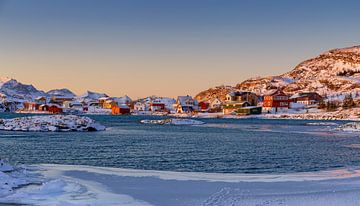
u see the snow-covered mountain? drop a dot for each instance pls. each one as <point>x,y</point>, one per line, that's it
<point>13,89</point>
<point>61,92</point>
<point>90,96</point>
<point>334,72</point>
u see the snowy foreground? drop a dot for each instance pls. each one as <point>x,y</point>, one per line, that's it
<point>85,185</point>
<point>52,123</point>
<point>173,122</point>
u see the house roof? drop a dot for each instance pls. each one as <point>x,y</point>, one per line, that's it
<point>303,94</point>
<point>184,99</point>
<point>123,106</point>
<point>274,92</point>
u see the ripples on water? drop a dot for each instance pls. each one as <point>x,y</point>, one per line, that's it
<point>222,145</point>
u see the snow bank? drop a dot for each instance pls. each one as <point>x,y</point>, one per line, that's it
<point>350,127</point>
<point>10,179</point>
<point>53,123</point>
<point>27,186</point>
<point>162,188</point>
<point>87,185</point>
<point>173,122</point>
<point>322,124</point>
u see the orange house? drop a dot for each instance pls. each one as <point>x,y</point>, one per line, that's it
<point>119,110</point>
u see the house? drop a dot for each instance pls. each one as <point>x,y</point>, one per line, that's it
<point>239,99</point>
<point>157,107</point>
<point>215,104</point>
<point>73,105</point>
<point>31,106</point>
<point>51,108</point>
<point>59,100</point>
<point>232,108</point>
<point>204,106</point>
<point>141,106</point>
<point>108,104</point>
<point>186,104</point>
<point>120,110</point>
<point>55,109</point>
<point>242,96</point>
<point>276,101</point>
<point>306,98</point>
<point>102,101</point>
<point>40,100</point>
<point>249,110</point>
<point>123,100</point>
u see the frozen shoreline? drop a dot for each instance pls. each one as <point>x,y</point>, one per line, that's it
<point>82,185</point>
<point>50,123</point>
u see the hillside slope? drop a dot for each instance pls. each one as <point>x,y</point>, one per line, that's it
<point>333,72</point>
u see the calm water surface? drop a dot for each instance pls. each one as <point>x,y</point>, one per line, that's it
<point>222,145</point>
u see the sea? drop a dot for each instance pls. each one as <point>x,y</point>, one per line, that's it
<point>249,145</point>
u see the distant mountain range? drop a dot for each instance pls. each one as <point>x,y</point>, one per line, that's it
<point>334,72</point>
<point>14,90</point>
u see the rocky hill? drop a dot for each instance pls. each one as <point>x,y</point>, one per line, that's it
<point>216,92</point>
<point>331,73</point>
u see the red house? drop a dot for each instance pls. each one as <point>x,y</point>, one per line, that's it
<point>55,109</point>
<point>204,106</point>
<point>157,107</point>
<point>51,108</point>
<point>276,101</point>
<point>119,110</point>
<point>306,98</point>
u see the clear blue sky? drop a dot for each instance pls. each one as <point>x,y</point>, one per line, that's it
<point>165,47</point>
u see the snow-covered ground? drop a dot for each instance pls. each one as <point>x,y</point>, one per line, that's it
<point>85,185</point>
<point>52,123</point>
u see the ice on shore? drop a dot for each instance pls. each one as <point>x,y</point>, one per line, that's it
<point>27,186</point>
<point>51,123</point>
<point>173,122</point>
<point>350,127</point>
<point>322,124</point>
<point>86,185</point>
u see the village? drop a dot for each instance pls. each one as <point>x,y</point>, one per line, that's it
<point>236,103</point>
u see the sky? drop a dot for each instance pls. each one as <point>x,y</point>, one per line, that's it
<point>165,47</point>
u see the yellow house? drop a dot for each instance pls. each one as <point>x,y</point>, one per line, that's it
<point>108,104</point>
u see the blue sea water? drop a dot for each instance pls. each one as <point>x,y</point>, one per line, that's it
<point>221,145</point>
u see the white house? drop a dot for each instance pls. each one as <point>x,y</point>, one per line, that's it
<point>141,106</point>
<point>186,104</point>
<point>215,104</point>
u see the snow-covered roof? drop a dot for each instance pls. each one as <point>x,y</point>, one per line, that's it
<point>184,99</point>
<point>124,106</point>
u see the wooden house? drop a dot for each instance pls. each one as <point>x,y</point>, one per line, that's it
<point>30,106</point>
<point>157,107</point>
<point>276,101</point>
<point>186,104</point>
<point>120,110</point>
<point>306,98</point>
<point>242,96</point>
<point>204,106</point>
<point>59,100</point>
<point>215,104</point>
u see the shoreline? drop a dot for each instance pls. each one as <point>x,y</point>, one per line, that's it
<point>87,185</point>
